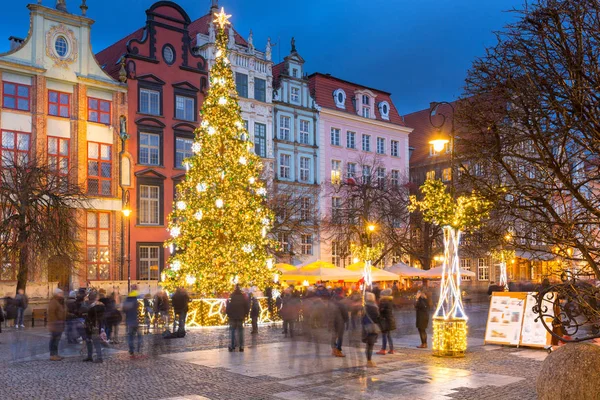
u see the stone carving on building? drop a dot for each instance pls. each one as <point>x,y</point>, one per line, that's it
<point>231,43</point>
<point>211,32</point>
<point>66,36</point>
<point>251,41</point>
<point>268,50</point>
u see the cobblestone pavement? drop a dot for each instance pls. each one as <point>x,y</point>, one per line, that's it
<point>272,367</point>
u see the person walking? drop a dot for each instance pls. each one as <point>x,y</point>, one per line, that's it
<point>237,309</point>
<point>422,308</point>
<point>254,314</point>
<point>56,322</point>
<point>370,324</point>
<point>94,323</point>
<point>130,308</point>
<point>287,313</point>
<point>387,321</point>
<point>338,314</point>
<point>22,302</point>
<point>180,301</point>
<point>10,307</point>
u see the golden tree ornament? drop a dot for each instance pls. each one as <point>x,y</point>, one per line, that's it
<point>221,18</point>
<point>219,220</point>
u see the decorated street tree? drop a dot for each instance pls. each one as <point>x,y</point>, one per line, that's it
<point>219,222</point>
<point>454,215</point>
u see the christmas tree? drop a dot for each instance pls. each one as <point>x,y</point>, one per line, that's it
<point>220,222</point>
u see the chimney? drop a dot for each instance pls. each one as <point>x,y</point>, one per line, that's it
<point>15,42</point>
<point>432,105</point>
<point>214,6</point>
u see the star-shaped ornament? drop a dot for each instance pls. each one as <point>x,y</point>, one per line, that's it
<point>222,19</point>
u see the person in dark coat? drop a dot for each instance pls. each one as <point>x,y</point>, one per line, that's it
<point>112,317</point>
<point>371,321</point>
<point>10,307</point>
<point>94,323</point>
<point>56,322</point>
<point>130,308</point>
<point>22,302</point>
<point>387,321</point>
<point>180,302</point>
<point>254,314</point>
<point>338,314</point>
<point>422,308</point>
<point>237,311</point>
<point>289,312</point>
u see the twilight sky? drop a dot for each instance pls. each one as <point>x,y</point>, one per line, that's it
<point>419,50</point>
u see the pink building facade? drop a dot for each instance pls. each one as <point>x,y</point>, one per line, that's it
<point>361,134</point>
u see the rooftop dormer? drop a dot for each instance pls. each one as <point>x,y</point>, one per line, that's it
<point>364,100</point>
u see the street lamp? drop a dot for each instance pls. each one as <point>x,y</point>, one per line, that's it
<point>127,213</point>
<point>441,140</point>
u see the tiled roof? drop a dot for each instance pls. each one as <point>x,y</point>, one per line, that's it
<point>424,131</point>
<point>322,87</point>
<point>201,26</point>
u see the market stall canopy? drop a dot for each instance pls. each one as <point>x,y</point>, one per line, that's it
<point>405,270</point>
<point>437,273</point>
<point>283,267</point>
<point>321,271</point>
<point>377,274</point>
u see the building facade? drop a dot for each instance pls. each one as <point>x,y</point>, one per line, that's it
<point>59,105</point>
<point>166,84</point>
<point>358,126</point>
<point>296,179</point>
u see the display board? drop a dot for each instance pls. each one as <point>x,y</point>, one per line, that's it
<point>505,318</point>
<point>533,333</point>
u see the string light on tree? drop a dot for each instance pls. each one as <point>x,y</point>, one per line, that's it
<point>221,234</point>
<point>181,205</point>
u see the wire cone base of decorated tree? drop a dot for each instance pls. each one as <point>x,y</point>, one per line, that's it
<point>454,215</point>
<point>220,222</point>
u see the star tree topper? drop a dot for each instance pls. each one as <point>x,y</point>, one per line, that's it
<point>222,18</point>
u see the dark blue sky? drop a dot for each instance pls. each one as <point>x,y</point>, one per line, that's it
<point>419,50</point>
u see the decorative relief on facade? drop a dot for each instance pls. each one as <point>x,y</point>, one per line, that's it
<point>61,46</point>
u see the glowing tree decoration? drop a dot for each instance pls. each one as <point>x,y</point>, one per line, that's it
<point>219,223</point>
<point>463,214</point>
<point>367,253</point>
<point>504,256</point>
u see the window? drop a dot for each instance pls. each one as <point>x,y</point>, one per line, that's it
<point>98,110</point>
<point>380,145</point>
<point>336,172</point>
<point>430,175</point>
<point>98,245</point>
<point>284,241</point>
<point>307,244</point>
<point>338,251</point>
<point>295,95</point>
<point>183,150</point>
<point>394,149</point>
<point>304,169</point>
<point>384,110</point>
<point>284,127</point>
<point>304,208</point>
<point>336,210</point>
<point>395,178</point>
<point>169,54</point>
<point>380,176</point>
<point>446,174</point>
<point>149,101</point>
<point>149,208</point>
<point>61,46</point>
<point>465,263</point>
<point>477,169</point>
<point>365,99</point>
<point>260,89</point>
<point>294,72</point>
<point>366,173</point>
<point>304,136</point>
<point>366,142</point>
<point>8,269</point>
<point>260,139</point>
<point>148,262</point>
<point>149,149</point>
<point>99,179</point>
<point>339,96</point>
<point>483,269</point>
<point>284,166</point>
<point>351,140</point>
<point>59,104</point>
<point>184,108</point>
<point>16,96</point>
<point>15,148</point>
<point>351,170</point>
<point>335,137</point>
<point>58,155</point>
<point>366,111</point>
<point>241,84</point>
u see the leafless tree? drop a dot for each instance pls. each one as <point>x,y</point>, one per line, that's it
<point>39,212</point>
<point>532,131</point>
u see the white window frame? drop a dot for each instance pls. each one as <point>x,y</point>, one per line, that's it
<point>150,260</point>
<point>430,174</point>
<point>351,170</point>
<point>186,154</point>
<point>395,148</point>
<point>304,169</point>
<point>366,173</point>
<point>483,269</point>
<point>446,175</point>
<point>465,264</point>
<point>380,145</point>
<point>285,166</point>
<point>335,136</point>
<point>304,134</point>
<point>284,127</point>
<point>295,97</point>
<point>149,147</point>
<point>350,144</point>
<point>366,112</point>
<point>305,204</point>
<point>306,244</point>
<point>395,178</point>
<point>336,171</point>
<point>366,142</point>
<point>149,95</point>
<point>149,207</point>
<point>336,94</point>
<point>185,100</point>
<point>284,241</point>
<point>380,176</point>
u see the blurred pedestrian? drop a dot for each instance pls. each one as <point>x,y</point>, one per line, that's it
<point>130,308</point>
<point>237,310</point>
<point>113,318</point>
<point>10,307</point>
<point>180,302</point>
<point>161,307</point>
<point>94,324</point>
<point>370,324</point>
<point>254,314</point>
<point>387,321</point>
<point>21,301</point>
<point>338,317</point>
<point>288,312</point>
<point>56,322</point>
<point>422,308</point>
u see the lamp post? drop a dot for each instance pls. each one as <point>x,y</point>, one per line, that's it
<point>441,140</point>
<point>127,213</point>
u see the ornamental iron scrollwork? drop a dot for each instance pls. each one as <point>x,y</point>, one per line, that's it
<point>570,310</point>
